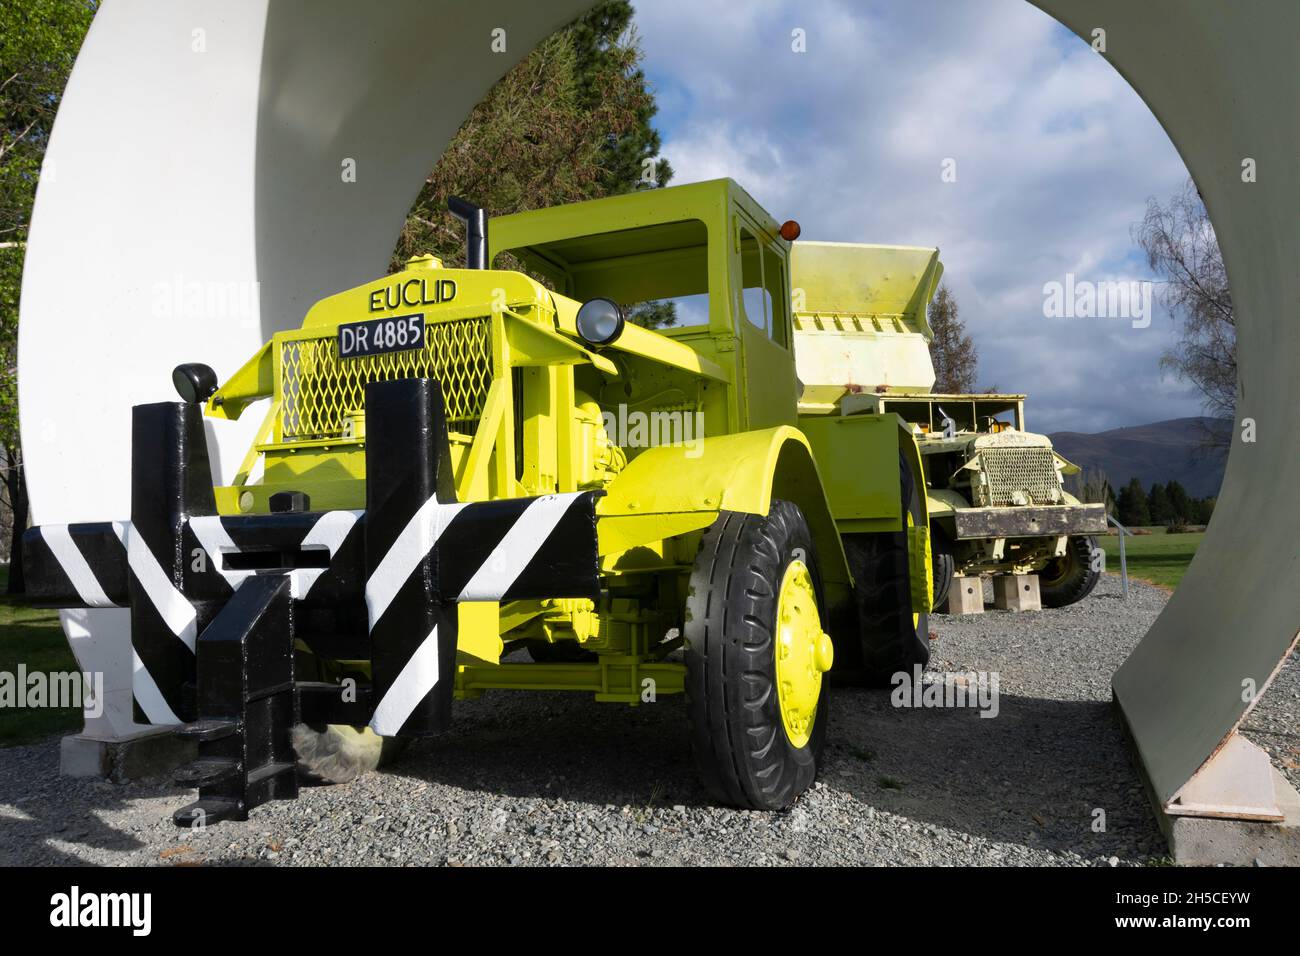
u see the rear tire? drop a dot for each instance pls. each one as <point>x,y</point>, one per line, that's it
<point>743,748</point>
<point>891,637</point>
<point>945,566</point>
<point>1070,579</point>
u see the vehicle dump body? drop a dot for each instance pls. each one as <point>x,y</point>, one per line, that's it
<point>996,492</point>
<point>860,316</point>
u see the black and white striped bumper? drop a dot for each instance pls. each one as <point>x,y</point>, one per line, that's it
<point>382,584</point>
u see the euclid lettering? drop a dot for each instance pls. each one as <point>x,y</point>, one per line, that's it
<point>413,292</point>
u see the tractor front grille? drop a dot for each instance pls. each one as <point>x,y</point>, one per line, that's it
<point>1031,471</point>
<point>318,391</point>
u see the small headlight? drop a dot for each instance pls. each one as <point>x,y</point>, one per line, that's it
<point>600,322</point>
<point>194,382</point>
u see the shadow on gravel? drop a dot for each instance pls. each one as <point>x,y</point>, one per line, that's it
<point>1034,775</point>
<point>45,817</point>
<point>1042,773</point>
<point>563,747</point>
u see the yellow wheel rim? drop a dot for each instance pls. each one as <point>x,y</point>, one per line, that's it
<point>803,653</point>
<point>916,617</point>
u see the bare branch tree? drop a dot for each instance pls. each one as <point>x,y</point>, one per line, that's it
<point>1182,249</point>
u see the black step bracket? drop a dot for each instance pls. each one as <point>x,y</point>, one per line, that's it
<point>247,705</point>
<point>206,771</point>
<point>212,810</point>
<point>210,729</point>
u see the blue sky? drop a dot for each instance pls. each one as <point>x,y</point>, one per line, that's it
<point>1055,158</point>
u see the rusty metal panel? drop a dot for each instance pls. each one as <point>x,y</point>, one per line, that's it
<point>1030,522</point>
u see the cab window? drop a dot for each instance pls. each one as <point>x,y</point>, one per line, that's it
<point>659,273</point>
<point>765,300</point>
<point>752,293</point>
<point>777,296</point>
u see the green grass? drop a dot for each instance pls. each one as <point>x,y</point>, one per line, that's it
<point>1159,558</point>
<point>32,637</point>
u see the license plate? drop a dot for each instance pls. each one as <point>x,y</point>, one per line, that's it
<point>397,333</point>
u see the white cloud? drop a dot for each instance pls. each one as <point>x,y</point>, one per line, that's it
<point>1056,156</point>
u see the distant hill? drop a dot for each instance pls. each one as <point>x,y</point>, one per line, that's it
<point>1159,452</point>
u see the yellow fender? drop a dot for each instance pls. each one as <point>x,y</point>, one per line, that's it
<point>671,490</point>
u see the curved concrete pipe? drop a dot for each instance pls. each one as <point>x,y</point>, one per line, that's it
<point>194,201</point>
<point>1223,83</point>
<point>197,162</point>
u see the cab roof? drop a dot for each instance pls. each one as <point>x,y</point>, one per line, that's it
<point>646,244</point>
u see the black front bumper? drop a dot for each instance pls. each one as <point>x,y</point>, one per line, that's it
<point>218,603</point>
<point>1030,522</point>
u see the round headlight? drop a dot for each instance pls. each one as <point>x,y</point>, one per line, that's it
<point>600,322</point>
<point>194,382</point>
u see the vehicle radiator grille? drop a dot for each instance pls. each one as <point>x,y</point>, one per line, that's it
<point>1028,470</point>
<point>318,391</point>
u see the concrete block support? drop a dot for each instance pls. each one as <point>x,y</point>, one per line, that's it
<point>1016,592</point>
<point>966,596</point>
<point>1209,841</point>
<point>155,752</point>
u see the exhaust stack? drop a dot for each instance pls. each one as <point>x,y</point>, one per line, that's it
<point>475,220</point>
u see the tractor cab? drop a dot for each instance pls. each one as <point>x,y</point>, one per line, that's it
<point>703,264</point>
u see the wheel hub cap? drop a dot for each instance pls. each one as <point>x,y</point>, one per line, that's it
<point>803,653</point>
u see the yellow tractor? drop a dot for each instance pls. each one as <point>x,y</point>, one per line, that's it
<point>456,465</point>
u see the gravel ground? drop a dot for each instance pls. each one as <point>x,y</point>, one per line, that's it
<point>560,779</point>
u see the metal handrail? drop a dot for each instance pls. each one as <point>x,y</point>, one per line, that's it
<point>1123,558</point>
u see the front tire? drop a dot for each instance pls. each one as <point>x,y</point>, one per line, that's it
<point>1070,579</point>
<point>755,656</point>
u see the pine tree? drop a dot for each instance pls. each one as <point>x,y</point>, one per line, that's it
<point>1133,510</point>
<point>1205,510</point>
<point>607,46</point>
<point>951,350</point>
<point>1179,502</point>
<point>1158,504</point>
<point>571,122</point>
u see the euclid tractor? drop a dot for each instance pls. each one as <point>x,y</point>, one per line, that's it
<point>995,493</point>
<point>484,479</point>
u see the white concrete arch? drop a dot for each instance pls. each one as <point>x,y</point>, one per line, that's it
<point>200,145</point>
<point>1222,81</point>
<point>198,204</point>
